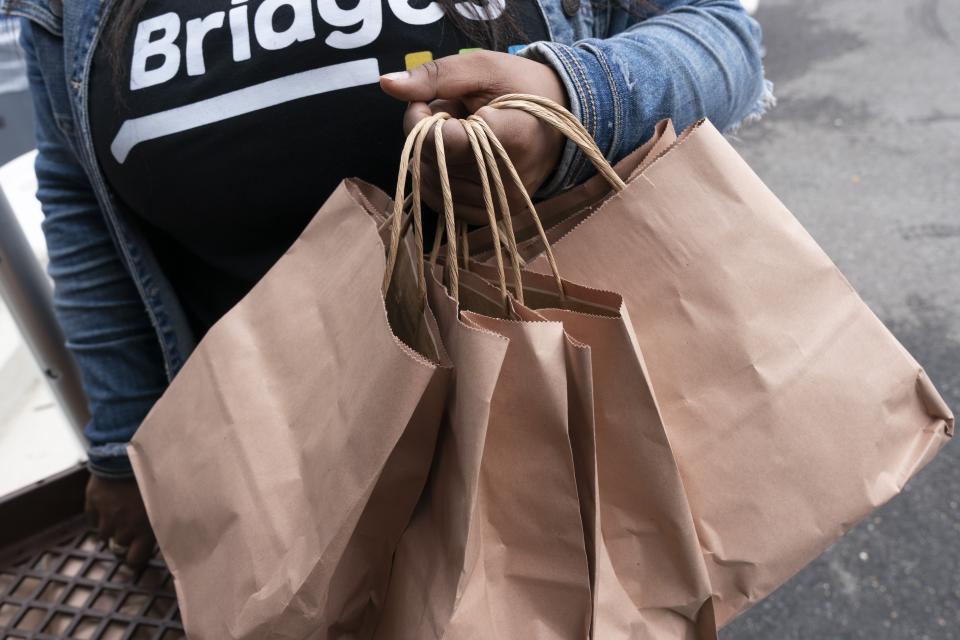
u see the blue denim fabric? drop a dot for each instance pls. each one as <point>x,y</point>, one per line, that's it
<point>689,60</point>
<point>122,320</point>
<point>120,316</point>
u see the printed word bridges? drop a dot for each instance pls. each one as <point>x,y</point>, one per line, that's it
<point>157,39</point>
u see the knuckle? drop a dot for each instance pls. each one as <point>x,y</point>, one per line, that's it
<point>432,69</point>
<point>486,113</point>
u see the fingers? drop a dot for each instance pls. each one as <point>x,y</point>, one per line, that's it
<point>134,543</point>
<point>90,503</point>
<point>124,536</point>
<point>463,209</point>
<point>93,514</point>
<point>531,145</point>
<point>116,509</point>
<point>466,192</point>
<point>456,145</point>
<point>141,548</point>
<point>467,187</point>
<point>416,111</point>
<point>468,199</point>
<point>451,77</point>
<point>454,107</point>
<point>106,527</point>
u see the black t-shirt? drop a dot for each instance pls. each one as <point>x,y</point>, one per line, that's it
<point>229,123</point>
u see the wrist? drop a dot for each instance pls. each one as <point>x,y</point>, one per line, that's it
<point>109,461</point>
<point>557,91</point>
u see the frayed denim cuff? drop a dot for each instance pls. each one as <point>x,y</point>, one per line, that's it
<point>109,460</point>
<point>595,104</point>
<point>764,103</point>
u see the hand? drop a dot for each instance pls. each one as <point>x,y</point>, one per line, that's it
<point>463,84</point>
<point>115,509</point>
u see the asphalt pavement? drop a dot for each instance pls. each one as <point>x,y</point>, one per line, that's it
<point>864,149</point>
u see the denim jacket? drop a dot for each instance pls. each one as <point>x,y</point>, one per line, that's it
<point>623,72</point>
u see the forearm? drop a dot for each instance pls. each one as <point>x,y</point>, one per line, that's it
<point>109,335</point>
<point>693,60</point>
<point>102,315</point>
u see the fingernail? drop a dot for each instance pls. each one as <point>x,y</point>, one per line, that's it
<point>396,76</point>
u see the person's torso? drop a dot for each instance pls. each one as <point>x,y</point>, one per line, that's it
<point>226,125</point>
<point>62,35</point>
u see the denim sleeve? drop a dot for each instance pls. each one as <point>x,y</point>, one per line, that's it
<point>103,317</point>
<point>689,60</point>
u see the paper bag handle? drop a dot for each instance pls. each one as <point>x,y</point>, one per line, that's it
<point>528,203</point>
<point>397,226</point>
<point>450,225</point>
<point>563,121</point>
<point>484,143</point>
<point>412,151</point>
<point>478,143</point>
<point>480,133</point>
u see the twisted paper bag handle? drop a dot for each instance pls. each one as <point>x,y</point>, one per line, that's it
<point>483,143</point>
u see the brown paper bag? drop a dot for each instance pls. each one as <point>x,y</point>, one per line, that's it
<point>282,464</point>
<point>643,521</point>
<point>496,548</point>
<point>531,579</point>
<point>791,410</point>
<point>356,604</point>
<point>443,534</point>
<point>637,521</point>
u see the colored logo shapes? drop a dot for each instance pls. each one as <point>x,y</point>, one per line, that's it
<point>415,59</point>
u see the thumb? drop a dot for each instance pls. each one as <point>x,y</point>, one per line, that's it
<point>449,78</point>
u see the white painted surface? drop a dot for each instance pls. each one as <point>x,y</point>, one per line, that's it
<point>19,182</point>
<point>36,441</point>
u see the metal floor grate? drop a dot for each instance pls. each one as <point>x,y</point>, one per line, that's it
<point>66,584</point>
